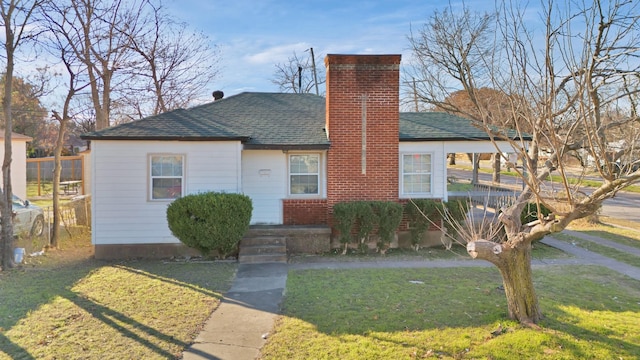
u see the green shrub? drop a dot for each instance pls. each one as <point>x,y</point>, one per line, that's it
<point>366,220</point>
<point>418,211</point>
<point>344,216</point>
<point>389,216</point>
<point>457,210</point>
<point>210,221</point>
<point>530,213</point>
<point>366,216</point>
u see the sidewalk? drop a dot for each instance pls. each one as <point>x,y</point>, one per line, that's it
<point>240,326</point>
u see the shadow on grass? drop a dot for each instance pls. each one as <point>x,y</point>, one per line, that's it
<point>601,340</point>
<point>14,350</point>
<point>25,290</point>
<point>195,280</point>
<point>114,319</point>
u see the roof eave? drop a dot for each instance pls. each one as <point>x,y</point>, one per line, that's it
<point>460,139</point>
<point>303,147</point>
<point>167,138</point>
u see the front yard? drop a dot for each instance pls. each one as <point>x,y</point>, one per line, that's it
<point>65,305</point>
<point>458,313</point>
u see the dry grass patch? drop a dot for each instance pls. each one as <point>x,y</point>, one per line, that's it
<point>59,308</point>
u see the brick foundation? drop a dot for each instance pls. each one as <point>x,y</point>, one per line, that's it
<point>304,211</point>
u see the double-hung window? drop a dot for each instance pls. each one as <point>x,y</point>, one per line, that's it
<point>166,176</point>
<point>416,174</point>
<point>304,174</point>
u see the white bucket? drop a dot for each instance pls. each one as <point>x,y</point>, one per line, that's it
<point>18,255</point>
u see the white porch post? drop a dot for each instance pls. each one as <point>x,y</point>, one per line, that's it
<point>474,160</point>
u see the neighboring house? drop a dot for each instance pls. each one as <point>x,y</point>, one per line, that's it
<point>294,155</point>
<point>18,162</point>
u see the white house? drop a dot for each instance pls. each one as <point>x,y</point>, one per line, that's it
<point>18,162</point>
<point>294,155</point>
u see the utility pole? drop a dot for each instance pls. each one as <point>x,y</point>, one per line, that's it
<point>315,75</point>
<point>415,94</point>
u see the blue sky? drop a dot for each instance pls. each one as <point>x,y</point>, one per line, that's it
<point>254,35</point>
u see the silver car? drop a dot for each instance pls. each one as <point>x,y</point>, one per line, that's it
<point>27,218</point>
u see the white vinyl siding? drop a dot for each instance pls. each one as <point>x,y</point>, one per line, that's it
<point>18,166</point>
<point>122,212</point>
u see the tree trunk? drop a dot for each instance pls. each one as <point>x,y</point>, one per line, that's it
<point>514,264</point>
<point>476,168</point>
<point>57,169</point>
<point>6,192</point>
<point>517,279</point>
<point>496,168</point>
<point>452,158</point>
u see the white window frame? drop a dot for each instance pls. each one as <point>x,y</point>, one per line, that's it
<point>151,177</point>
<point>318,174</point>
<point>404,192</point>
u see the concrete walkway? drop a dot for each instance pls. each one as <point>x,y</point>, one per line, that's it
<point>240,326</point>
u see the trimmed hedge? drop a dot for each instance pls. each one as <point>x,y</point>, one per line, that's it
<point>418,212</point>
<point>422,212</point>
<point>210,221</point>
<point>386,216</point>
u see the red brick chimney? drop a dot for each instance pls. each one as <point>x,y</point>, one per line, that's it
<point>363,127</point>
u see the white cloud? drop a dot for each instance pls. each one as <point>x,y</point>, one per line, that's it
<point>276,54</point>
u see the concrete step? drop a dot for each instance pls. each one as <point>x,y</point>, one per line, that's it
<point>263,240</point>
<point>262,258</point>
<point>255,249</point>
<point>263,249</point>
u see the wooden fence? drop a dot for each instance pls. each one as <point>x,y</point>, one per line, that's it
<point>40,171</point>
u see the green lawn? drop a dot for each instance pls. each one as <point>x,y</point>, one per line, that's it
<point>591,313</point>
<point>66,305</point>
<point>89,309</point>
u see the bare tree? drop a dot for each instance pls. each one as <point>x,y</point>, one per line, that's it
<point>561,85</point>
<point>175,64</point>
<point>63,45</point>
<point>99,33</point>
<point>28,114</point>
<point>17,20</point>
<point>298,75</point>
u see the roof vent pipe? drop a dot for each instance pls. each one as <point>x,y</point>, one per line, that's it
<point>217,95</point>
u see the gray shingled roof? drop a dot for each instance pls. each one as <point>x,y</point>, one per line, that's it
<point>425,126</point>
<point>274,120</point>
<point>260,120</point>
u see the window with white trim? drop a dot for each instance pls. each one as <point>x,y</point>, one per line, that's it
<point>166,176</point>
<point>304,174</point>
<point>416,174</point>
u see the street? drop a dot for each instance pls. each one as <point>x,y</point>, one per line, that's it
<point>623,206</point>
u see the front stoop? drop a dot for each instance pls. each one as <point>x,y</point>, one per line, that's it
<point>258,249</point>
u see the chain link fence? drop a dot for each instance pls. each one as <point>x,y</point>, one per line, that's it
<point>75,226</point>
